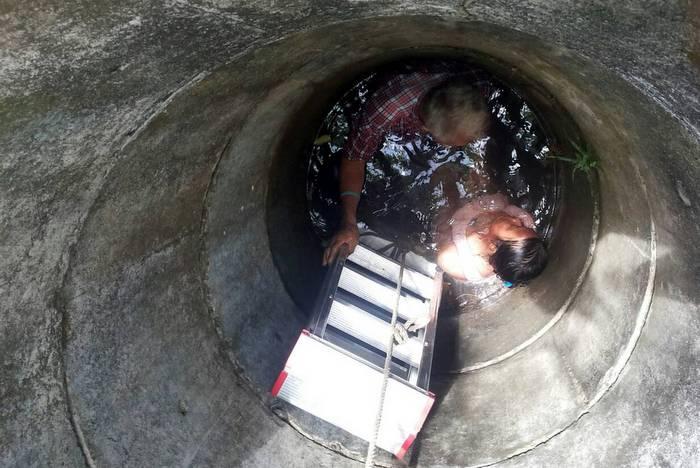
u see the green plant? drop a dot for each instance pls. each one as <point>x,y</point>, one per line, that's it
<point>583,159</point>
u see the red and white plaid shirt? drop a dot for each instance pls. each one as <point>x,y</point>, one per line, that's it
<point>393,107</point>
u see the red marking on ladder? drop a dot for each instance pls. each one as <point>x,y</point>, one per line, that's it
<point>283,375</point>
<point>279,382</point>
<point>404,448</point>
<point>412,437</point>
<point>424,413</point>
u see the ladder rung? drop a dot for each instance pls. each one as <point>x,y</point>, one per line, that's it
<point>381,294</point>
<point>389,269</point>
<point>373,331</point>
<point>360,351</point>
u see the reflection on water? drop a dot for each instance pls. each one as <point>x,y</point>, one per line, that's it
<point>411,179</point>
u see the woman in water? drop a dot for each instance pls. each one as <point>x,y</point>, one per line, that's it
<point>490,236</point>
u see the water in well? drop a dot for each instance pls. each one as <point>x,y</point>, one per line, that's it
<point>411,177</point>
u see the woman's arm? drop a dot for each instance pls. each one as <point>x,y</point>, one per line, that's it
<point>485,203</point>
<point>525,217</point>
<point>463,259</point>
<point>462,218</point>
<point>450,262</point>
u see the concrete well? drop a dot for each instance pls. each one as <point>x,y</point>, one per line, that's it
<point>160,266</point>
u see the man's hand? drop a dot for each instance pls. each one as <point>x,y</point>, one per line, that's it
<point>349,235</point>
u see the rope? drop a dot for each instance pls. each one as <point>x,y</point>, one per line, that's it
<point>369,461</point>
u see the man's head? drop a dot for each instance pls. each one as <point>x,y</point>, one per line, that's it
<point>519,254</point>
<point>454,112</point>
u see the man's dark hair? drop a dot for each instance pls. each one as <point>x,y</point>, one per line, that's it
<point>519,261</point>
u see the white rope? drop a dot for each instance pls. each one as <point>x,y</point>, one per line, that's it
<point>369,461</point>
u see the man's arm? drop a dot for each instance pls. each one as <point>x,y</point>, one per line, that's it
<point>352,178</point>
<point>363,141</point>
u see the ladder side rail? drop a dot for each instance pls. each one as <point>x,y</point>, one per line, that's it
<point>322,308</point>
<point>426,364</point>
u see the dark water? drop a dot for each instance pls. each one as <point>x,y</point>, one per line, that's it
<point>409,179</point>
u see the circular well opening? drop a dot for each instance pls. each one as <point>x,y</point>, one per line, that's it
<point>475,335</point>
<point>520,380</point>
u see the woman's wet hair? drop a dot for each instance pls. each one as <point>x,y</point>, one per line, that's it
<point>455,105</point>
<point>519,261</point>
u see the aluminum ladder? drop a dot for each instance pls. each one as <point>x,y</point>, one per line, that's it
<point>335,369</point>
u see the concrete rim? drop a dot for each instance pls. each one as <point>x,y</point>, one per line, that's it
<point>210,233</point>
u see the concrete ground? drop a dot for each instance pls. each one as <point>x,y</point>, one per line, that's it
<point>151,160</point>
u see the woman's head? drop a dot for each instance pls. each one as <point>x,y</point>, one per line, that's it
<point>509,228</point>
<point>519,261</point>
<point>519,255</point>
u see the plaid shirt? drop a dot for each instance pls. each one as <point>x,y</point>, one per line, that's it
<point>393,107</point>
